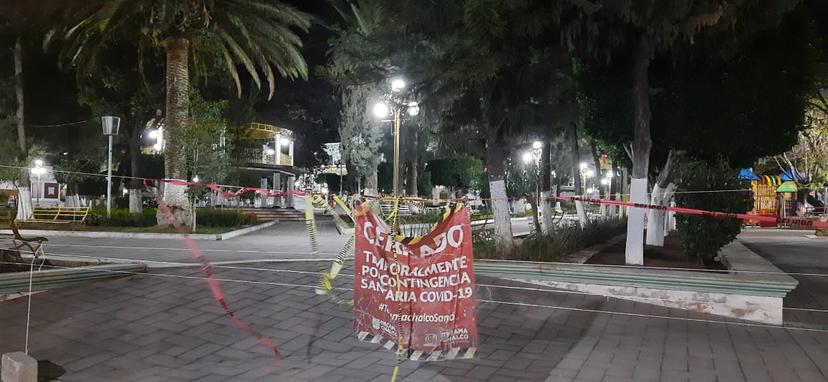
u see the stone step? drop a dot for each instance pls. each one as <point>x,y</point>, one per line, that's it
<point>271,214</point>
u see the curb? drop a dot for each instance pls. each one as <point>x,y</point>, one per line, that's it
<point>142,235</point>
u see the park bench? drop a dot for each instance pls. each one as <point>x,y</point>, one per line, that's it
<point>18,242</point>
<point>403,210</point>
<point>59,214</point>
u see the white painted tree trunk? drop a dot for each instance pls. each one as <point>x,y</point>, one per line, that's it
<point>656,228</point>
<point>135,205</point>
<point>502,219</point>
<point>546,212</point>
<point>671,220</point>
<point>581,211</point>
<point>619,210</point>
<point>655,219</point>
<point>24,203</point>
<point>175,196</point>
<point>634,251</point>
<point>73,201</point>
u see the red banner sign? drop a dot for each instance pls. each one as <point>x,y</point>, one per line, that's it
<point>416,295</point>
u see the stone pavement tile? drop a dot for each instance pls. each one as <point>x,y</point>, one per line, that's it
<point>517,363</point>
<point>481,372</point>
<point>362,374</point>
<point>188,375</point>
<point>212,378</point>
<point>537,375</point>
<point>757,374</point>
<point>124,363</point>
<point>233,354</point>
<point>89,361</point>
<point>564,372</point>
<point>810,375</point>
<point>164,360</point>
<point>591,374</point>
<point>646,372</point>
<point>618,370</point>
<point>199,352</point>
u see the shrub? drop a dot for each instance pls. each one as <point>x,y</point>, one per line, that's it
<point>121,217</point>
<point>568,239</point>
<point>703,236</point>
<point>483,243</point>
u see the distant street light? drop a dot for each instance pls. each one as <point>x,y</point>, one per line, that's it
<point>195,179</point>
<point>397,84</point>
<point>110,126</point>
<point>583,166</point>
<point>380,110</point>
<point>527,157</point>
<point>413,109</point>
<point>37,170</point>
<point>590,173</point>
<point>604,182</point>
<point>537,145</point>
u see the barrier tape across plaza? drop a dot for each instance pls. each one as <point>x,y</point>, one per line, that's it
<point>692,211</point>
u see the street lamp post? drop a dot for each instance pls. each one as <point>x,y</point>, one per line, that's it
<point>109,125</point>
<point>37,170</point>
<point>381,110</point>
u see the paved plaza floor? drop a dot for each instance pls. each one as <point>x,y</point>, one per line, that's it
<point>166,326</point>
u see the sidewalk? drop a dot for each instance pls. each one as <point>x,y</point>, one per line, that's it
<point>160,327</point>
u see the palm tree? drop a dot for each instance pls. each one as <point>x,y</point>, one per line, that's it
<point>256,34</point>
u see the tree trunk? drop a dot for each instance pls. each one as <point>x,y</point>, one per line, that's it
<point>657,226</point>
<point>634,252</point>
<point>574,157</point>
<point>533,201</point>
<point>135,184</point>
<point>662,193</point>
<point>24,192</point>
<point>495,156</point>
<point>625,191</point>
<point>178,105</point>
<point>546,188</point>
<point>413,172</point>
<point>371,186</point>
<point>18,91</point>
<point>597,162</point>
<point>412,179</point>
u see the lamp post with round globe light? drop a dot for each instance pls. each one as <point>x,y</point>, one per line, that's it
<point>382,110</point>
<point>38,170</point>
<point>109,125</point>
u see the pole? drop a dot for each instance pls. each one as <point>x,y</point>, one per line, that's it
<point>396,151</point>
<point>340,180</point>
<point>109,181</point>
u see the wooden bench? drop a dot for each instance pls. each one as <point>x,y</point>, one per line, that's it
<point>403,210</point>
<point>34,244</point>
<point>59,214</point>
